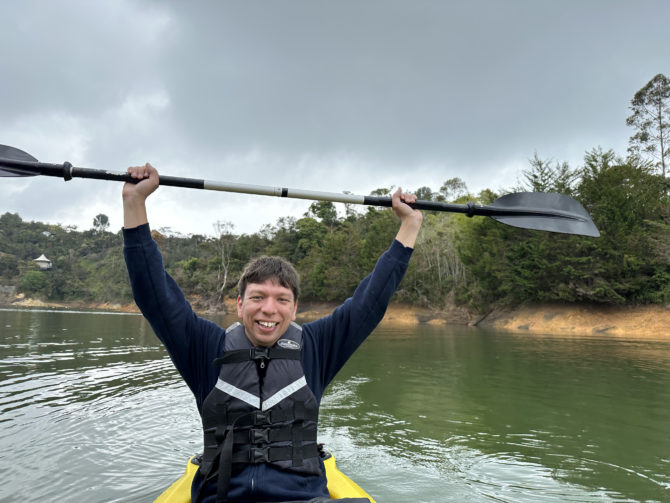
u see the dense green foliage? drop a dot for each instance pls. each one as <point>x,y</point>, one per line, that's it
<point>627,264</point>
<point>474,261</point>
<point>87,265</point>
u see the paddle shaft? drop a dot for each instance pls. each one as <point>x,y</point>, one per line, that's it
<point>67,172</point>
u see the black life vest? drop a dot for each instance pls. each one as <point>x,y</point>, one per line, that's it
<point>260,410</point>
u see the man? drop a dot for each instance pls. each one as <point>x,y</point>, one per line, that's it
<point>258,385</point>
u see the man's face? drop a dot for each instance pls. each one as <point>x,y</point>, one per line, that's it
<point>266,311</point>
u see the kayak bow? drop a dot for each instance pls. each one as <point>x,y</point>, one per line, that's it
<point>339,485</point>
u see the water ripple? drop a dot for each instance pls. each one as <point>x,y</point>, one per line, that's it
<point>91,402</point>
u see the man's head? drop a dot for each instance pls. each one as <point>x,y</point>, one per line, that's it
<point>262,268</point>
<point>267,299</point>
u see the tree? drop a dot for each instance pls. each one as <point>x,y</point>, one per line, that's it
<point>542,176</point>
<point>9,265</point>
<point>101,223</point>
<point>424,194</point>
<point>225,242</point>
<point>651,119</point>
<point>310,235</point>
<point>436,268</point>
<point>452,189</point>
<point>624,198</point>
<point>33,282</point>
<point>324,211</point>
<point>383,191</point>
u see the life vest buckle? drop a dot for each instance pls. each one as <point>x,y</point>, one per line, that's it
<point>260,353</point>
<point>259,436</point>
<point>259,455</point>
<point>261,417</point>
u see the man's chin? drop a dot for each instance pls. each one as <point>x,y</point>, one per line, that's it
<point>266,340</point>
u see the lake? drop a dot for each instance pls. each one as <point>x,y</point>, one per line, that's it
<point>91,409</point>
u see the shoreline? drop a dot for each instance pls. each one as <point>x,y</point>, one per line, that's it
<point>648,321</point>
<point>644,322</point>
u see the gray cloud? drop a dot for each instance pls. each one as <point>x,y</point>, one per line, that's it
<point>338,95</point>
<point>403,80</point>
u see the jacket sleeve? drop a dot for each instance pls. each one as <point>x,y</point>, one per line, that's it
<point>191,341</point>
<point>334,339</point>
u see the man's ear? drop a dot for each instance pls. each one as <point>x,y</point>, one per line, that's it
<point>239,307</point>
<point>295,311</point>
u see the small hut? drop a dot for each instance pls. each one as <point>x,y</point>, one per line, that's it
<point>43,262</point>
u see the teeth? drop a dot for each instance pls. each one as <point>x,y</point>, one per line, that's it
<point>267,324</point>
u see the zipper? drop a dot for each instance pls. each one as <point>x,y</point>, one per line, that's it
<point>260,371</point>
<point>261,377</point>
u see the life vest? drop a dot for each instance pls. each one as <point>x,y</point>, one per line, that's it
<point>260,410</point>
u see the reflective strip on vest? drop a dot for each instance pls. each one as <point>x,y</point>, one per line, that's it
<point>238,393</point>
<point>283,393</point>
<point>255,401</point>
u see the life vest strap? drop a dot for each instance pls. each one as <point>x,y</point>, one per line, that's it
<point>255,455</point>
<point>273,416</point>
<point>256,436</point>
<point>257,353</point>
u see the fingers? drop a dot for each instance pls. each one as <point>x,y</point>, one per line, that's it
<point>147,181</point>
<point>400,202</point>
<point>405,197</point>
<point>410,219</point>
<point>408,198</point>
<point>142,172</point>
<point>395,198</point>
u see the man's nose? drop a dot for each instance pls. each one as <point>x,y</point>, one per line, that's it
<point>269,305</point>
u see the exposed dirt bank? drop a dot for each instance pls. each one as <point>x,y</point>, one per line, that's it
<point>561,319</point>
<point>26,302</point>
<point>617,321</point>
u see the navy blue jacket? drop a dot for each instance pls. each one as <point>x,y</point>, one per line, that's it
<point>193,343</point>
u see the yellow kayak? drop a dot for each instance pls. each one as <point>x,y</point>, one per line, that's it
<point>339,485</point>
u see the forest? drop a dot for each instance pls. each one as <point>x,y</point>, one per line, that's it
<point>475,262</point>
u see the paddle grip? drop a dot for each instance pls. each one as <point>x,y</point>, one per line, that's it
<point>170,181</point>
<point>423,205</point>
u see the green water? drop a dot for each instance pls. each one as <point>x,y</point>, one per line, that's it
<point>92,410</point>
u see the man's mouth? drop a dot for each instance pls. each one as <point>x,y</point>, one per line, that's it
<point>267,324</point>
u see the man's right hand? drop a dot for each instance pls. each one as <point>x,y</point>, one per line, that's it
<point>410,219</point>
<point>135,194</point>
<point>148,176</point>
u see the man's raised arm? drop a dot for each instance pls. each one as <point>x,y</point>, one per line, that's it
<point>410,219</point>
<point>135,195</point>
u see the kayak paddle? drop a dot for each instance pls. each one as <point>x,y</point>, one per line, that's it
<point>528,210</point>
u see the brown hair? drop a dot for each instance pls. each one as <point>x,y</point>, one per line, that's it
<point>263,268</point>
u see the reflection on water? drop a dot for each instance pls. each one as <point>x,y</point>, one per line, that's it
<point>92,404</point>
<point>81,398</point>
<point>511,418</point>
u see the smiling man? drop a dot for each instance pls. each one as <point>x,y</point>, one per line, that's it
<point>268,299</point>
<point>258,384</point>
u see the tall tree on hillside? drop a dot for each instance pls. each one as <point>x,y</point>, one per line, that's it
<point>424,193</point>
<point>452,189</point>
<point>224,240</point>
<point>101,223</point>
<point>651,119</point>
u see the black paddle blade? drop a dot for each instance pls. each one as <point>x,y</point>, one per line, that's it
<point>545,211</point>
<point>14,154</point>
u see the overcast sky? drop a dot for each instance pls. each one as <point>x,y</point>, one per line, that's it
<point>333,96</point>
